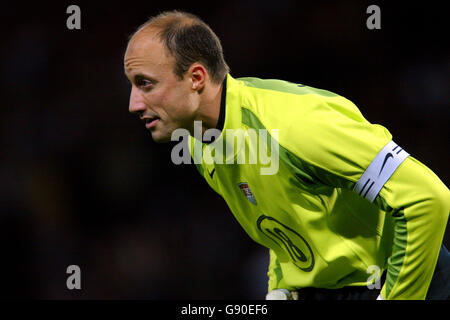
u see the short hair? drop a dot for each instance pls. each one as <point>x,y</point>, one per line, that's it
<point>189,40</point>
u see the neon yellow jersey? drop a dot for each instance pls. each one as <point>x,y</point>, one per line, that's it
<point>320,232</point>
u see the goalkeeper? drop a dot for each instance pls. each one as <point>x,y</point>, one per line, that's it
<point>346,207</point>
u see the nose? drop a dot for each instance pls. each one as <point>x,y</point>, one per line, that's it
<point>137,104</point>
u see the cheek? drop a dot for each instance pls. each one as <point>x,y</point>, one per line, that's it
<point>179,105</point>
<point>157,101</point>
<point>173,103</point>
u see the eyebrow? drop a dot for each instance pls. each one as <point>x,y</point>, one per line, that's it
<point>140,76</point>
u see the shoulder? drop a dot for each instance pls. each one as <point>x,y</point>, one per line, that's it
<point>293,108</point>
<point>283,87</point>
<point>288,99</point>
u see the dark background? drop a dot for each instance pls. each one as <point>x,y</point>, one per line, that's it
<point>83,183</point>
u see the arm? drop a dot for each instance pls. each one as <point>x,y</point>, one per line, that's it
<point>276,279</point>
<point>420,204</point>
<point>274,273</point>
<point>337,145</point>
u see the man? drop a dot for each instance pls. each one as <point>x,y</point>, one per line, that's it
<point>344,204</point>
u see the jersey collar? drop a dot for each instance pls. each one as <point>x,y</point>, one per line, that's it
<point>221,120</point>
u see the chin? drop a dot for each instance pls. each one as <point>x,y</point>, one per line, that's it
<point>159,138</point>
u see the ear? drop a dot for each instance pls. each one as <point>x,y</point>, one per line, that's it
<point>198,75</point>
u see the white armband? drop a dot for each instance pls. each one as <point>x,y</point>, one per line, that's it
<point>380,170</point>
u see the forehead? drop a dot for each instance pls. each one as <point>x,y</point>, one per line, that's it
<point>146,49</point>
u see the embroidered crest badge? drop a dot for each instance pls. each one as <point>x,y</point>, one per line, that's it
<point>247,192</point>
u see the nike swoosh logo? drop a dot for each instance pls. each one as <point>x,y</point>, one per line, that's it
<point>389,155</point>
<point>211,174</point>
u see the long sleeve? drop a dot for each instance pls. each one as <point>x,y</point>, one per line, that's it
<point>339,145</point>
<point>275,274</point>
<point>420,204</point>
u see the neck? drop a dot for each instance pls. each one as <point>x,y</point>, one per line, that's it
<point>209,109</point>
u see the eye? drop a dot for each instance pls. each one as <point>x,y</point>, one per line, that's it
<point>144,83</point>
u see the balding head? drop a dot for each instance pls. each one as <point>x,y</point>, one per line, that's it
<point>188,39</point>
<point>168,19</point>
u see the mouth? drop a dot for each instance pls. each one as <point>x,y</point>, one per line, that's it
<point>150,122</point>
